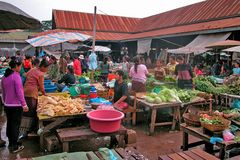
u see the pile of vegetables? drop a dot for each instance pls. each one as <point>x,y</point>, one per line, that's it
<point>184,95</point>
<point>234,88</point>
<point>166,95</point>
<point>205,118</point>
<point>169,78</point>
<point>207,85</point>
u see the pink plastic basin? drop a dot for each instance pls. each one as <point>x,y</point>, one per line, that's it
<point>105,121</point>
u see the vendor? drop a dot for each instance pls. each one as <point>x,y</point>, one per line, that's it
<point>138,73</point>
<point>34,83</point>
<point>27,63</point>
<point>197,70</point>
<point>77,66</point>
<point>184,74</point>
<point>171,65</point>
<point>236,69</point>
<point>53,68</point>
<point>120,89</point>
<point>159,70</point>
<point>105,69</point>
<point>68,79</point>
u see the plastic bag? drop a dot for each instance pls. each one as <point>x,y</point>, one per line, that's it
<point>227,135</point>
<point>235,104</point>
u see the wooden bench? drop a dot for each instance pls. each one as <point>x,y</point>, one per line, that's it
<point>67,135</point>
<point>194,154</point>
<point>119,153</point>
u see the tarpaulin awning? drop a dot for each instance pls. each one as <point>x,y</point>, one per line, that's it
<point>224,44</point>
<point>197,46</point>
<point>233,49</point>
<point>144,46</point>
<point>56,38</point>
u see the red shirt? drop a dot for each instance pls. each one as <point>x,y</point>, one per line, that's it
<point>77,67</point>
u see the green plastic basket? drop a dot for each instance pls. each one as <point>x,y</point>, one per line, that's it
<point>74,90</point>
<point>85,89</point>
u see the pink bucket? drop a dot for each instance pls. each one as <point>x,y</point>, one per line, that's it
<point>105,121</point>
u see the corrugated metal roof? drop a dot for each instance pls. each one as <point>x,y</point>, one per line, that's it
<point>196,13</point>
<point>206,15</point>
<point>218,24</point>
<point>100,36</point>
<point>84,21</point>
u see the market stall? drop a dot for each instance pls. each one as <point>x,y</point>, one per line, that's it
<point>56,109</point>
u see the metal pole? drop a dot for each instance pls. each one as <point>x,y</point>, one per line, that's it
<point>94,28</point>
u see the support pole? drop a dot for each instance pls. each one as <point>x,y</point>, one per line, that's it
<point>94,28</point>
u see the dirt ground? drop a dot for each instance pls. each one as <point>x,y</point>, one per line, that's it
<point>162,142</point>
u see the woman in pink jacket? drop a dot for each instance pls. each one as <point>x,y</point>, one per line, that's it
<point>14,102</point>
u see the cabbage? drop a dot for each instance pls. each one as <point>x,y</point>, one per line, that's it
<point>150,99</point>
<point>158,100</point>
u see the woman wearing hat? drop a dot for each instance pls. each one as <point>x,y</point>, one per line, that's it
<point>83,64</point>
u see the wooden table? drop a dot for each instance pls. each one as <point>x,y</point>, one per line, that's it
<point>194,154</point>
<point>229,98</point>
<point>205,139</point>
<point>53,122</point>
<point>119,153</point>
<point>67,135</point>
<point>154,107</point>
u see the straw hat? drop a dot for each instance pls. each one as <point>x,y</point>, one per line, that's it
<point>81,56</point>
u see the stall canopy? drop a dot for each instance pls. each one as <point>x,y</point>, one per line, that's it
<point>56,38</point>
<point>223,44</point>
<point>197,46</point>
<point>233,49</point>
<point>144,46</point>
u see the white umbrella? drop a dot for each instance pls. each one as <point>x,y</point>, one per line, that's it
<point>56,38</point>
<point>102,49</point>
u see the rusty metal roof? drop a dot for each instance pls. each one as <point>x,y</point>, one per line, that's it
<point>202,16</point>
<point>208,10</point>
<point>212,25</point>
<point>84,21</point>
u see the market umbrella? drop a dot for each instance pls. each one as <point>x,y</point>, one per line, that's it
<point>233,49</point>
<point>56,38</point>
<point>102,49</point>
<point>223,44</point>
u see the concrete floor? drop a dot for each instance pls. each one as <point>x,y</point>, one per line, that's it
<point>162,142</point>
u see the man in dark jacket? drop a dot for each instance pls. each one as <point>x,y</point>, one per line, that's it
<point>68,79</point>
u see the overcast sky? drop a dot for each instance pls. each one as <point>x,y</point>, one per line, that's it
<point>42,9</point>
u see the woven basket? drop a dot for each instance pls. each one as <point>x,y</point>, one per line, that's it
<point>214,127</point>
<point>191,122</point>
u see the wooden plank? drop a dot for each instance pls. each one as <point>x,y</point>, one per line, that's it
<point>186,157</point>
<point>93,155</point>
<point>164,157</point>
<point>203,154</point>
<point>123,154</point>
<point>175,156</point>
<point>116,155</point>
<point>79,134</point>
<point>192,155</point>
<point>99,155</point>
